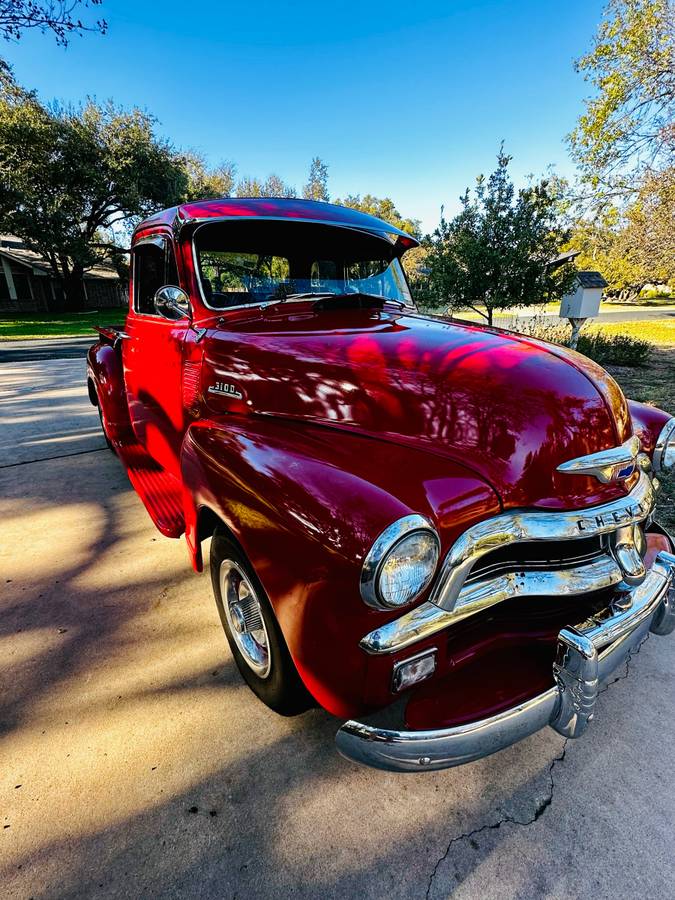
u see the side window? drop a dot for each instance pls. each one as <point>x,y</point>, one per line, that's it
<point>154,266</point>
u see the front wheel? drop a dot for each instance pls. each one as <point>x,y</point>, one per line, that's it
<point>252,631</point>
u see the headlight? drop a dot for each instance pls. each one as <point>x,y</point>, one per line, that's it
<point>400,564</point>
<point>664,451</point>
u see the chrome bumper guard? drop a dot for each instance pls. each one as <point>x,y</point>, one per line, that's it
<point>587,655</point>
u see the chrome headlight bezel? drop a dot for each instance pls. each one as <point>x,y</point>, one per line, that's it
<point>392,536</point>
<point>664,442</point>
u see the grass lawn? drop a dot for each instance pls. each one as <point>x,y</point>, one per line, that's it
<point>504,316</point>
<point>46,325</point>
<point>657,331</point>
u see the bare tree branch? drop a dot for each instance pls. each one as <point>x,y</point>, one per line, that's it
<point>58,16</point>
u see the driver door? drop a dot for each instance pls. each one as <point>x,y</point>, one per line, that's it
<point>152,354</point>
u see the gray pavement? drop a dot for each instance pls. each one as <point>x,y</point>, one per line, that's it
<point>45,348</point>
<point>135,763</point>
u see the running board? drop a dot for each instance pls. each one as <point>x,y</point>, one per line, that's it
<point>158,489</point>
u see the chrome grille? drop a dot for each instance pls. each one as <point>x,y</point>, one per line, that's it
<point>509,531</point>
<point>532,556</point>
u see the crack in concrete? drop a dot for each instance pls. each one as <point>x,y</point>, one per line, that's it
<point>30,462</point>
<point>540,809</point>
<point>626,673</point>
<point>543,804</point>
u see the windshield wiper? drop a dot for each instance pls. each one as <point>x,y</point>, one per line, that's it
<point>303,296</point>
<point>377,297</point>
<point>339,297</point>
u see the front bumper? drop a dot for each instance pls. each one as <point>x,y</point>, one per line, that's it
<point>587,655</point>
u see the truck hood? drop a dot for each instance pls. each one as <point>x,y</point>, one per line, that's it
<point>508,407</point>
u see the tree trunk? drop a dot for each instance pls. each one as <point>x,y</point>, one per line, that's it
<point>489,316</point>
<point>73,287</point>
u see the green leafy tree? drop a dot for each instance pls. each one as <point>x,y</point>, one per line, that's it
<point>272,186</point>
<point>204,182</point>
<point>382,208</point>
<point>495,253</point>
<point>633,245</point>
<point>72,178</point>
<point>317,183</point>
<point>627,130</point>
<point>624,144</point>
<point>650,226</point>
<point>601,243</point>
<point>58,16</point>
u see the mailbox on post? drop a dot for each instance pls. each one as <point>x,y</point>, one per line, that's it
<point>583,303</point>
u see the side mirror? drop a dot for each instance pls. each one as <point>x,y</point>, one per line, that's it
<point>172,303</point>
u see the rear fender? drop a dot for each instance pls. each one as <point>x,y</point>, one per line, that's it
<point>305,504</point>
<point>105,383</point>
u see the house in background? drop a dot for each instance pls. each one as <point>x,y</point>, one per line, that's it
<point>28,284</point>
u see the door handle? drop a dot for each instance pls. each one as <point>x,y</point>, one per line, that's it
<point>121,336</point>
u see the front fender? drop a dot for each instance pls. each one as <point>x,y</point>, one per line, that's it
<point>648,422</point>
<point>306,504</point>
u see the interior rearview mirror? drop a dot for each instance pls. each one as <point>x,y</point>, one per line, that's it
<point>172,302</point>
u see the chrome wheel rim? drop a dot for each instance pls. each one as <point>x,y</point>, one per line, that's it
<point>244,617</point>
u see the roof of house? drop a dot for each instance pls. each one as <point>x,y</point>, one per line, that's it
<point>16,251</point>
<point>591,280</point>
<point>274,208</point>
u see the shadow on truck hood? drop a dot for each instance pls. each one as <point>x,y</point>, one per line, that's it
<point>509,408</point>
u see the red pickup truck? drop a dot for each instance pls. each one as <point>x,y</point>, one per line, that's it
<point>442,529</point>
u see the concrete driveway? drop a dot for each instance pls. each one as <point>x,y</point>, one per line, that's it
<point>135,763</point>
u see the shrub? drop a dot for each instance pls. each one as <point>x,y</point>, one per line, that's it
<point>614,349</point>
<point>661,292</point>
<point>606,349</point>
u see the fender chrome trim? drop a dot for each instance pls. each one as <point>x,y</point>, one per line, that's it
<point>587,655</point>
<point>666,435</point>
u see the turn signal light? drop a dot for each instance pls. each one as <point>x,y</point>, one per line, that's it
<point>411,671</point>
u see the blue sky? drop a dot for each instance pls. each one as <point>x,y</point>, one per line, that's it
<point>405,100</point>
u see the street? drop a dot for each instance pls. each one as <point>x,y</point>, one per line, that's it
<point>134,762</point>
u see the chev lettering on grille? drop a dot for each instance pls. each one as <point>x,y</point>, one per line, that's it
<point>616,517</point>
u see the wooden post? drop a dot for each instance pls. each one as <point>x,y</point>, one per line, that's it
<point>577,325</point>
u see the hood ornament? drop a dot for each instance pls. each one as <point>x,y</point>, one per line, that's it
<point>615,464</point>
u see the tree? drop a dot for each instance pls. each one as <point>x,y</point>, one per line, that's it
<point>633,245</point>
<point>58,16</point>
<point>204,183</point>
<point>317,183</point>
<point>72,176</point>
<point>602,246</point>
<point>273,186</point>
<point>382,208</point>
<point>650,227</point>
<point>495,253</point>
<point>627,131</point>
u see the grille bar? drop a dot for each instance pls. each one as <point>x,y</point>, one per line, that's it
<point>537,526</point>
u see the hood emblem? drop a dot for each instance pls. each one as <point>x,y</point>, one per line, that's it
<point>225,389</point>
<point>615,464</point>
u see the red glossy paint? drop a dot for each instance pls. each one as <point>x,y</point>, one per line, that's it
<point>272,208</point>
<point>347,420</point>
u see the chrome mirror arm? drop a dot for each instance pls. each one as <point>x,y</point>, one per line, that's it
<point>172,303</point>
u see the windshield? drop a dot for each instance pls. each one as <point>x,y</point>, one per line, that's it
<point>244,263</point>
